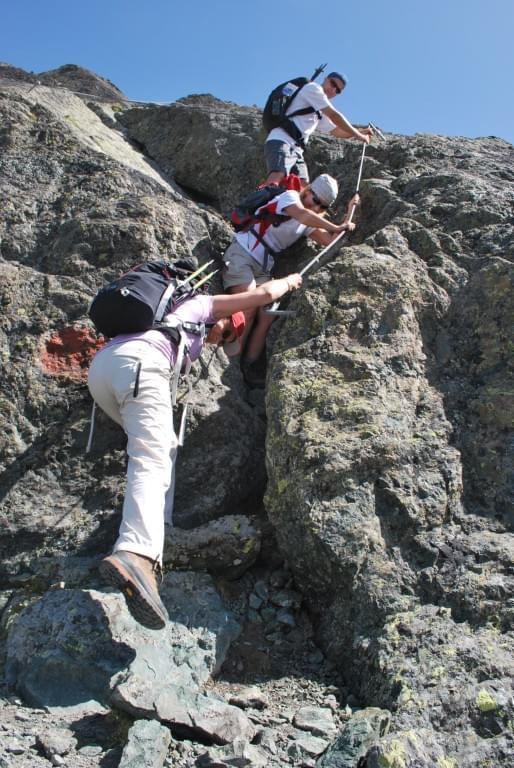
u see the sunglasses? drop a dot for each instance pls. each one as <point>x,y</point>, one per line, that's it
<point>317,201</point>
<point>334,85</point>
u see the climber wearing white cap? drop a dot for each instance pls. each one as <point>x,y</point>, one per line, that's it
<point>275,226</point>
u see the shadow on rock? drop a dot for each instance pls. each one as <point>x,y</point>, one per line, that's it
<point>63,652</point>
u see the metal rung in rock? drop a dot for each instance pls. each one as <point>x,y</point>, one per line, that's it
<point>280,312</point>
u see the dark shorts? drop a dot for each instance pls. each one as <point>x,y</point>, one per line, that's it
<point>284,157</point>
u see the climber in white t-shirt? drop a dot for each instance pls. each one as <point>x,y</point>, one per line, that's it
<point>283,153</point>
<point>249,259</point>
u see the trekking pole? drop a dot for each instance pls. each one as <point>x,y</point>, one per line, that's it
<point>195,273</point>
<point>318,71</point>
<point>377,131</point>
<point>274,310</point>
<point>204,279</point>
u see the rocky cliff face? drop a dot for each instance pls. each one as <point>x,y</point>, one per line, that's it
<point>387,437</point>
<point>390,418</point>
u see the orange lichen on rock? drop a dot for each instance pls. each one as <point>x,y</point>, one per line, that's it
<point>69,352</point>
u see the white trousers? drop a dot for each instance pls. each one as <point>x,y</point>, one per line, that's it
<point>130,382</point>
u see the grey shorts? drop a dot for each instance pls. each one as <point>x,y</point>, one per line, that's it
<point>284,157</point>
<point>240,268</point>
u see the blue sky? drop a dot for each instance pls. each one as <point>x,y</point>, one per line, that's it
<point>414,66</point>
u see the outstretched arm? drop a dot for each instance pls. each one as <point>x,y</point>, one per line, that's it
<point>310,219</point>
<point>224,305</point>
<point>344,129</point>
<point>325,238</point>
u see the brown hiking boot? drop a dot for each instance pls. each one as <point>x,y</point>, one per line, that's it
<point>134,575</point>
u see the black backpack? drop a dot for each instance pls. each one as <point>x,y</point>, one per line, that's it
<point>279,101</point>
<point>242,216</point>
<point>139,299</point>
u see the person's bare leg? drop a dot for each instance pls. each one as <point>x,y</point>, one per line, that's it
<point>257,340</point>
<point>248,313</point>
<point>275,177</point>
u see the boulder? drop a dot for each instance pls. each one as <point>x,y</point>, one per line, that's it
<point>89,639</point>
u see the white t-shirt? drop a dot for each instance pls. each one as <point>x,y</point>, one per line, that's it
<point>311,95</point>
<point>278,238</point>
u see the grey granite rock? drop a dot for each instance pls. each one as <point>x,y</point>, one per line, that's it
<point>185,711</point>
<point>388,406</point>
<point>357,735</point>
<point>390,484</point>
<point>147,745</point>
<point>229,546</point>
<point>56,741</point>
<point>89,639</point>
<point>239,754</point>
<point>249,698</point>
<point>318,720</point>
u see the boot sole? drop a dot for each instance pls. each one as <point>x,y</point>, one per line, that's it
<point>141,608</point>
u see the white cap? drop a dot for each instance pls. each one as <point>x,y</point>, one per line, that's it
<point>325,188</point>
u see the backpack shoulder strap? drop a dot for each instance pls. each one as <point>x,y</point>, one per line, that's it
<point>260,238</point>
<point>305,111</point>
<point>163,303</point>
<point>292,97</point>
<point>289,126</point>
